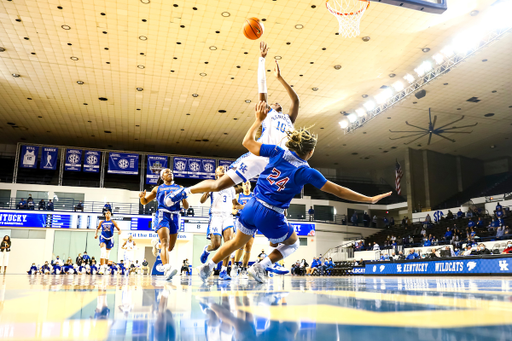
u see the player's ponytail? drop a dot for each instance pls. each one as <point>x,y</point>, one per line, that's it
<point>301,141</point>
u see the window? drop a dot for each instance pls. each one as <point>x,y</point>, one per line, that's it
<point>303,241</point>
<point>296,211</point>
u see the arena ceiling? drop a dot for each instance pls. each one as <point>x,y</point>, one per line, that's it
<point>172,50</point>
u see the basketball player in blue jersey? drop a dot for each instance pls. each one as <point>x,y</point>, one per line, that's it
<point>274,129</point>
<point>167,217</point>
<point>106,239</point>
<point>284,176</point>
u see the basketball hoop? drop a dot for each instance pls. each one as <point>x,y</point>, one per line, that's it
<point>349,14</point>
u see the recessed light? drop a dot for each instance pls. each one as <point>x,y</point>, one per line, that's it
<point>18,20</point>
<point>364,96</point>
<point>29,98</point>
<point>202,74</point>
<point>139,89</point>
<point>103,99</point>
<point>484,60</point>
<point>337,33</point>
<point>179,43</point>
<point>144,20</point>
<point>86,104</point>
<point>145,1</point>
<point>314,89</point>
<point>175,5</point>
<point>366,39</point>
<point>278,57</point>
<point>108,132</point>
<point>80,82</point>
<point>104,32</point>
<point>459,108</point>
<point>39,116</point>
<point>69,44</point>
<point>213,48</point>
<point>391,75</point>
<point>234,119</point>
<point>225,133</point>
<point>247,101</point>
<point>195,95</point>
<point>106,48</point>
<point>206,62</point>
<point>445,83</point>
<point>222,111</point>
<point>140,66</point>
<point>74,58</point>
<point>143,38</point>
<point>89,121</point>
<point>59,7</point>
<point>263,19</point>
<point>33,53</point>
<point>337,67</point>
<point>425,49</point>
<point>493,146</point>
<point>311,62</point>
<point>494,91</point>
<point>142,53</point>
<point>188,114</point>
<point>107,62</point>
<point>217,32</point>
<point>102,13</point>
<point>246,52</point>
<point>137,125</point>
<point>182,26</point>
<point>66,27</point>
<point>489,115</point>
<point>138,109</point>
<point>172,70</point>
<point>313,6</point>
<point>299,26</point>
<point>15,75</point>
<point>194,8</point>
<point>301,75</point>
<point>288,43</point>
<point>2,49</point>
<point>238,67</point>
<point>225,14</point>
<point>474,13</point>
<point>414,102</point>
<point>26,38</point>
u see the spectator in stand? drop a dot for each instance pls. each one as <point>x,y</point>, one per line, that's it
<point>428,221</point>
<point>460,214</point>
<point>448,234</point>
<point>314,264</point>
<point>79,206</point>
<point>471,223</point>
<point>303,267</point>
<point>184,268</point>
<point>411,240</point>
<point>423,232</point>
<point>469,213</point>
<point>79,259</point>
<point>384,257</point>
<point>354,219</point>
<point>86,258</point>
<point>41,205</point>
<point>400,256</point>
<point>375,221</point>
<point>427,242</point>
<point>145,267</point>
<point>500,231</point>
<point>499,207</point>
<point>468,251</point>
<point>376,246</point>
<point>190,212</point>
<point>508,249</point>
<point>366,219</point>
<point>472,234</point>
<point>321,267</point>
<point>482,250</point>
<point>434,241</point>
<point>106,208</point>
<point>386,222</point>
<point>412,255</point>
<point>494,225</point>
<point>507,232</point>
<point>30,204</point>
<point>480,223</point>
<point>404,222</point>
<point>294,271</point>
<point>57,261</point>
<point>311,213</point>
<point>392,222</point>
<point>49,207</point>
<point>22,205</point>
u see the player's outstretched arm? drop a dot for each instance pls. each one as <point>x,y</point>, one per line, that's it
<point>97,229</point>
<point>249,141</point>
<point>144,200</point>
<point>294,108</point>
<point>348,194</point>
<point>204,197</point>
<point>262,78</point>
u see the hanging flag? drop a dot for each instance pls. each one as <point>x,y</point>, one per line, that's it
<point>155,164</point>
<point>225,163</point>
<point>28,157</point>
<point>398,177</point>
<point>92,161</point>
<point>73,160</point>
<point>123,163</point>
<point>49,158</point>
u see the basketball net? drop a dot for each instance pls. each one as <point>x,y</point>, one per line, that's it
<point>349,14</point>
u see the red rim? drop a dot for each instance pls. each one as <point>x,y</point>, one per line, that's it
<point>351,13</point>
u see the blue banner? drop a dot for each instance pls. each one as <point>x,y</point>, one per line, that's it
<point>92,161</point>
<point>180,167</point>
<point>28,157</point>
<point>194,168</point>
<point>155,165</point>
<point>469,265</point>
<point>358,270</point>
<point>141,224</point>
<point>122,163</point>
<point>22,220</point>
<point>49,158</point>
<point>302,229</point>
<point>207,169</point>
<point>73,160</point>
<point>225,163</point>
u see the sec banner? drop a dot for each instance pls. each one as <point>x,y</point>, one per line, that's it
<point>180,167</point>
<point>73,160</point>
<point>49,158</point>
<point>155,165</point>
<point>207,169</point>
<point>470,265</point>
<point>28,157</point>
<point>92,161</point>
<point>122,163</point>
<point>225,163</point>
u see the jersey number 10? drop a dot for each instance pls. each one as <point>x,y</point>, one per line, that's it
<point>281,126</point>
<point>272,179</point>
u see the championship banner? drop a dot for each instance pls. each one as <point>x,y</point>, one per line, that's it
<point>155,165</point>
<point>180,167</point>
<point>469,265</point>
<point>225,163</point>
<point>92,161</point>
<point>73,160</point>
<point>49,158</point>
<point>194,168</point>
<point>28,157</point>
<point>207,169</point>
<point>122,163</point>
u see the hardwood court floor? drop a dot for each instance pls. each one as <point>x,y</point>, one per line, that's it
<point>286,308</point>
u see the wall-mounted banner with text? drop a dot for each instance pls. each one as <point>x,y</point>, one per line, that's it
<point>122,163</point>
<point>155,164</point>
<point>92,161</point>
<point>49,158</point>
<point>28,157</point>
<point>73,160</point>
<point>225,163</point>
<point>207,169</point>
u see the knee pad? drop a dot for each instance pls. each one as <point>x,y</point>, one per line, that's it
<point>287,250</point>
<point>103,253</point>
<point>107,253</point>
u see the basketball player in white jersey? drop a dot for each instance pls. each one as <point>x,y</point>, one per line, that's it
<point>128,247</point>
<point>274,129</point>
<point>221,221</point>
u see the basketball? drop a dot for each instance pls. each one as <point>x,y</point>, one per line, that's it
<point>253,28</point>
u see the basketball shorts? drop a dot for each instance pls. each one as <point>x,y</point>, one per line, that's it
<point>109,243</point>
<point>218,224</point>
<point>247,167</point>
<point>169,220</point>
<point>128,256</point>
<point>271,224</point>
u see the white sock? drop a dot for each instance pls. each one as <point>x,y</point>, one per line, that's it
<point>224,268</point>
<point>266,262</point>
<point>167,267</point>
<point>187,190</point>
<point>206,248</point>
<point>211,264</point>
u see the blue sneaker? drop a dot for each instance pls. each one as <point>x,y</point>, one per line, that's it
<point>277,269</point>
<point>204,255</point>
<point>175,197</point>
<point>224,276</point>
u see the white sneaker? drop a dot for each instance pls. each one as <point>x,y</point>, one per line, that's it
<point>257,272</point>
<point>234,271</point>
<point>154,243</point>
<point>169,273</point>
<point>244,275</point>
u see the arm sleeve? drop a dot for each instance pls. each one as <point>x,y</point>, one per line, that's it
<point>310,176</point>
<point>270,150</point>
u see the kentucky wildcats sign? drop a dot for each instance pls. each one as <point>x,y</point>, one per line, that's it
<point>444,267</point>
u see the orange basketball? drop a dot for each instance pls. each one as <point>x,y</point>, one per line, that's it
<point>253,28</point>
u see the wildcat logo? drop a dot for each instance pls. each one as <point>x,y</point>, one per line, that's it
<point>503,265</point>
<point>471,265</point>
